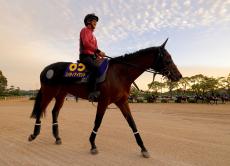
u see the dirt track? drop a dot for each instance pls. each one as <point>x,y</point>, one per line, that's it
<point>174,134</point>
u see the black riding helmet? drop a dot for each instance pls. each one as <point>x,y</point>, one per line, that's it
<point>90,17</point>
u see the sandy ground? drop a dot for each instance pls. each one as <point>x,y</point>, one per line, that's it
<point>174,134</point>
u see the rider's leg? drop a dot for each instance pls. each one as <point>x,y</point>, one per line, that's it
<point>92,65</point>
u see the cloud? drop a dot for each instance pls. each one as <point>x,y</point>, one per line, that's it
<point>62,20</point>
<point>121,19</point>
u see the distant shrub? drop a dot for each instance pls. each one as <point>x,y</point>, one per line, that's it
<point>191,101</point>
<point>164,101</point>
<point>140,99</point>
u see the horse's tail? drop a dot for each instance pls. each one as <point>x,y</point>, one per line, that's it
<point>37,105</point>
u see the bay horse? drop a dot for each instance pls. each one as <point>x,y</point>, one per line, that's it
<point>121,73</point>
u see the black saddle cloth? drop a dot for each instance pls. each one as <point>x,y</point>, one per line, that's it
<point>69,73</point>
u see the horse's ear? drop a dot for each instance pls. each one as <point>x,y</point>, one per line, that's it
<point>163,45</point>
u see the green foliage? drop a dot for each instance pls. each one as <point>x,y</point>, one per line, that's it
<point>134,92</point>
<point>156,86</point>
<point>195,85</point>
<point>3,84</point>
<point>228,83</point>
<point>150,97</point>
<point>140,99</point>
<point>12,91</point>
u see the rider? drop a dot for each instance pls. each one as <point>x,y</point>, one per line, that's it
<point>89,52</point>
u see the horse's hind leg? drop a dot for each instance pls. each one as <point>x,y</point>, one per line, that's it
<point>55,112</point>
<point>41,102</point>
<point>124,107</point>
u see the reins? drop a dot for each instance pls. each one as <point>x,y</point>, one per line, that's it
<point>133,65</point>
<point>146,70</point>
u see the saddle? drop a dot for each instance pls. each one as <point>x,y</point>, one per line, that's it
<point>80,73</point>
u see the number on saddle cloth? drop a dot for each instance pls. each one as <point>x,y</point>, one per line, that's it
<point>78,71</point>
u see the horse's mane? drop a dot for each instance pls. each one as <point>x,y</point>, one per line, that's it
<point>127,56</point>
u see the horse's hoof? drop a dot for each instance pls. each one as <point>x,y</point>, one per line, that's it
<point>58,141</point>
<point>94,151</point>
<point>31,138</point>
<point>145,154</point>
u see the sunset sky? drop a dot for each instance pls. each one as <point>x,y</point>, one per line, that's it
<point>35,33</point>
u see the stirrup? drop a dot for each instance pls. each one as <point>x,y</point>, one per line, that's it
<point>93,96</point>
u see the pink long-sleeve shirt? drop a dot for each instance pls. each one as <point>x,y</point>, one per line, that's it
<point>88,42</point>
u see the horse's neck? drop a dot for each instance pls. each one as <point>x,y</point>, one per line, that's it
<point>142,63</point>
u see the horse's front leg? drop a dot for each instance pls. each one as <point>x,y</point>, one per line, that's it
<point>101,107</point>
<point>124,107</point>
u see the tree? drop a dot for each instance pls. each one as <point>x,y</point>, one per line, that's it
<point>171,85</point>
<point>155,86</point>
<point>197,78</point>
<point>196,83</point>
<point>222,82</point>
<point>12,91</point>
<point>184,82</point>
<point>3,83</point>
<point>134,92</point>
<point>225,83</point>
<point>209,84</point>
<point>228,83</point>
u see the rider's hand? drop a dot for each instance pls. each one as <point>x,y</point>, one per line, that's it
<point>102,54</point>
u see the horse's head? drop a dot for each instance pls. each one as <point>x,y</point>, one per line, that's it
<point>164,64</point>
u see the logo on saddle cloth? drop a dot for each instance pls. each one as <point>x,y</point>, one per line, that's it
<point>79,70</point>
<point>76,70</point>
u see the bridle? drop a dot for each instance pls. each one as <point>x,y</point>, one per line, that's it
<point>159,57</point>
<point>164,71</point>
<point>159,61</point>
